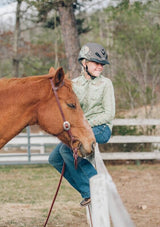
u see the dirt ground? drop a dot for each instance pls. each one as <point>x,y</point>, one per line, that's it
<point>139,189</point>
<point>26,195</point>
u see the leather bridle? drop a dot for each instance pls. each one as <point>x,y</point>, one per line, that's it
<point>66,124</point>
<point>67,128</point>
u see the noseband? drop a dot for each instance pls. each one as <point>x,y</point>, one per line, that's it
<point>66,124</point>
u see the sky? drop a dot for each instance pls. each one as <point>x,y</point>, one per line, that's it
<point>7,14</point>
<point>7,11</point>
<point>3,3</point>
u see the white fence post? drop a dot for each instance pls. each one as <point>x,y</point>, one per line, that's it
<point>29,144</point>
<point>112,200</point>
<point>99,195</point>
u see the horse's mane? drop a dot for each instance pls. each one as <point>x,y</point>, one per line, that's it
<point>15,81</point>
<point>19,87</point>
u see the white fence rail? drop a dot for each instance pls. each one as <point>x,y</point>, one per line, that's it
<point>33,142</point>
<point>155,140</point>
<point>106,203</point>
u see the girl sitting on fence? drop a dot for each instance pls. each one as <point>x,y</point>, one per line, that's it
<point>96,96</point>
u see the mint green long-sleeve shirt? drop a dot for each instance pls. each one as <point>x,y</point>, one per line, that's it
<point>96,98</point>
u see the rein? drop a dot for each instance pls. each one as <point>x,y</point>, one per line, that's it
<point>66,127</point>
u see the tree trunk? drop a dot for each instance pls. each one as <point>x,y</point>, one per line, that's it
<point>70,36</point>
<point>16,59</point>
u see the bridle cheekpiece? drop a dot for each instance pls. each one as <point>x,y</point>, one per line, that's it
<point>66,124</point>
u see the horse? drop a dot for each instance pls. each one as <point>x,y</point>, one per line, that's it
<point>31,100</point>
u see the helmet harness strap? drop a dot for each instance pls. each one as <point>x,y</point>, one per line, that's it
<point>86,69</point>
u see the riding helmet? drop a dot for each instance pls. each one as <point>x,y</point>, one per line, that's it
<point>93,52</point>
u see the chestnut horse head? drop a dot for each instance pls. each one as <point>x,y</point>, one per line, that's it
<point>30,100</point>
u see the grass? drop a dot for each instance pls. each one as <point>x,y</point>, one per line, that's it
<point>32,188</point>
<point>26,193</point>
<point>30,183</point>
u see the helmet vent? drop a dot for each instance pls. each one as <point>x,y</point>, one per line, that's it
<point>98,55</point>
<point>103,51</point>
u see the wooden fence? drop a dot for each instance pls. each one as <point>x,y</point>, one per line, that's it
<point>30,142</point>
<point>154,140</point>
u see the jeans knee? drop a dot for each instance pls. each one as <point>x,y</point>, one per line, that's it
<point>66,153</point>
<point>55,159</point>
<point>102,133</point>
<point>57,164</point>
<point>50,160</point>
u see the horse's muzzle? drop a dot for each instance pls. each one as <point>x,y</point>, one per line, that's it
<point>82,152</point>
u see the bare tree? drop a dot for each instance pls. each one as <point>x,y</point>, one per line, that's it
<point>16,58</point>
<point>70,36</point>
<point>68,28</point>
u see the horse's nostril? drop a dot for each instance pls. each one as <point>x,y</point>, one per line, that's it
<point>90,156</point>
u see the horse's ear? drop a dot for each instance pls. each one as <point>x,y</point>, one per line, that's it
<point>52,70</point>
<point>59,76</point>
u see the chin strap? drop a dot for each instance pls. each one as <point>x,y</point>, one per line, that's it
<point>86,69</point>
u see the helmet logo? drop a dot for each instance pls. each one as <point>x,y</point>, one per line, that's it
<point>85,50</point>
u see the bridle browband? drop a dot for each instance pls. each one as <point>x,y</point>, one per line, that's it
<point>66,124</point>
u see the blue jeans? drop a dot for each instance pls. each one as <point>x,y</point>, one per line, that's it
<point>78,178</point>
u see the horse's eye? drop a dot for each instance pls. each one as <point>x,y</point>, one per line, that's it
<point>71,105</point>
